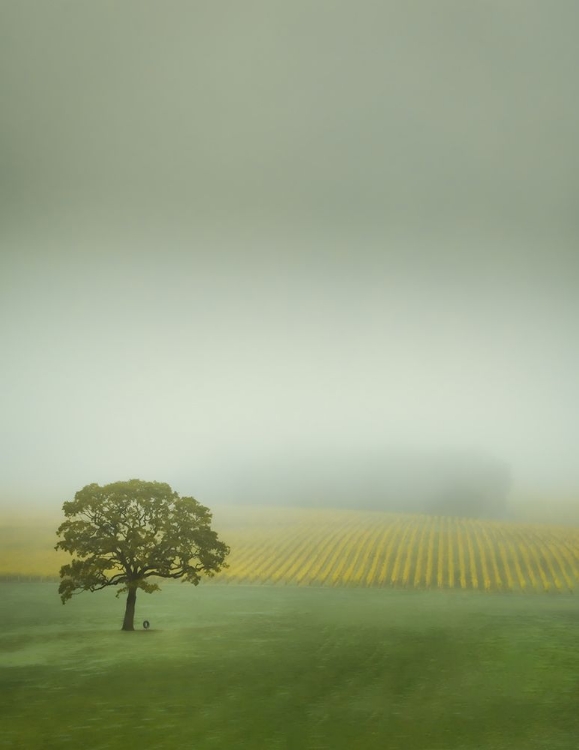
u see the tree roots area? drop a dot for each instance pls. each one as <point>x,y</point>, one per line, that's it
<point>225,666</point>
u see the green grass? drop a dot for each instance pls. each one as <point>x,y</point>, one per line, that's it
<point>284,667</point>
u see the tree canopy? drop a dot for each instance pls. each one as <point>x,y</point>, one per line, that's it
<point>129,533</point>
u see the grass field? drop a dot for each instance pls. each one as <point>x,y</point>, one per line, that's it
<point>289,667</point>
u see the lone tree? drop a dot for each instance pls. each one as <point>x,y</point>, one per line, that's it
<point>126,533</point>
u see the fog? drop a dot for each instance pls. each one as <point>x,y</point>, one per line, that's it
<point>249,248</point>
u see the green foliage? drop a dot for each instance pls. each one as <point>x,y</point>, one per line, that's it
<point>330,669</point>
<point>126,533</point>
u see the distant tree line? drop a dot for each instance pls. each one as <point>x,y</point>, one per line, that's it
<point>464,484</point>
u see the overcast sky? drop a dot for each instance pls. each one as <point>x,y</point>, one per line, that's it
<point>238,239</point>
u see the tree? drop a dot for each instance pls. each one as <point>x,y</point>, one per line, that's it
<point>128,533</point>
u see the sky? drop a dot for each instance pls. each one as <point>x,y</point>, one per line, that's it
<point>247,247</point>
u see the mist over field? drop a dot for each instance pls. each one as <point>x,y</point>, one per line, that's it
<point>266,251</point>
<point>314,263</point>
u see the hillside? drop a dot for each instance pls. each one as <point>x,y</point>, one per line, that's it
<point>353,548</point>
<point>402,550</point>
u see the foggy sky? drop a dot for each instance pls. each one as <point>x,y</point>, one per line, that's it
<point>242,240</point>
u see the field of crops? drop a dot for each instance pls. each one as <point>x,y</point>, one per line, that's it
<point>356,548</point>
<point>410,551</point>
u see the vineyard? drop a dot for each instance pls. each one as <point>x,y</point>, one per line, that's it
<point>355,548</point>
<point>349,548</point>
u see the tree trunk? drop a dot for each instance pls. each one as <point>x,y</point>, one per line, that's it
<point>128,622</point>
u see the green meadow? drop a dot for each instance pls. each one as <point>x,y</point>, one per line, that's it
<point>234,666</point>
